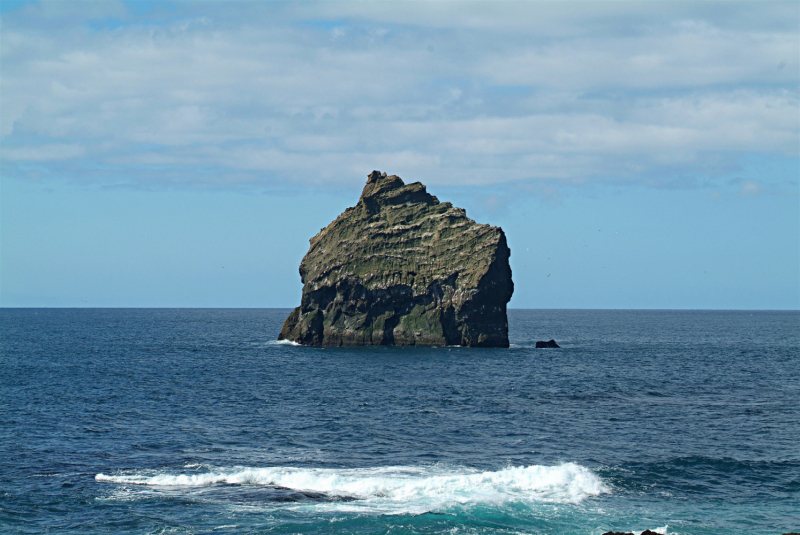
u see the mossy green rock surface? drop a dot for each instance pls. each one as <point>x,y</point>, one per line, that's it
<point>401,268</point>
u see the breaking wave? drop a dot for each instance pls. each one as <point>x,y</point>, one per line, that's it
<point>399,489</point>
<point>283,343</point>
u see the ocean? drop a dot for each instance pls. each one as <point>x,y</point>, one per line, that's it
<point>156,421</point>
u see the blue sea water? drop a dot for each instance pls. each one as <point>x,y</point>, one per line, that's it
<point>197,421</point>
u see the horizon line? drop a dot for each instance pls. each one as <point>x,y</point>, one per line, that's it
<point>291,308</point>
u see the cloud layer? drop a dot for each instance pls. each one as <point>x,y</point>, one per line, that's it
<point>447,93</point>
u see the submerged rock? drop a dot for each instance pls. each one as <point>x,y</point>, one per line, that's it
<point>550,343</point>
<point>401,268</point>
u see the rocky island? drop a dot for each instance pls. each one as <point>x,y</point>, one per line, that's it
<point>402,268</point>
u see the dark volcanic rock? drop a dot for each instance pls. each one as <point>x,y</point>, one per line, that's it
<point>544,345</point>
<point>401,268</point>
<point>617,533</point>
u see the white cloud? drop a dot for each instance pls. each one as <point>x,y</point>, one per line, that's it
<point>447,93</point>
<point>750,189</point>
<point>43,153</point>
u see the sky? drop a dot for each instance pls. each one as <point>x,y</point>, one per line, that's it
<point>181,154</point>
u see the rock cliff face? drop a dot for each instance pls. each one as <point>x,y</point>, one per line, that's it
<point>401,268</point>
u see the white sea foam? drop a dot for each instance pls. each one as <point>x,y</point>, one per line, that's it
<point>282,343</point>
<point>400,489</point>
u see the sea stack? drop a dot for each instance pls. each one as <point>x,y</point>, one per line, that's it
<point>402,268</point>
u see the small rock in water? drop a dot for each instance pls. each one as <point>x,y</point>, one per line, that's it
<point>543,345</point>
<point>617,533</point>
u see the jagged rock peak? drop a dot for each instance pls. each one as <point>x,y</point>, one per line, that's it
<point>401,268</point>
<point>381,190</point>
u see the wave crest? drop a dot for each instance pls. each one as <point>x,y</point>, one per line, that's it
<point>283,343</point>
<point>412,488</point>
